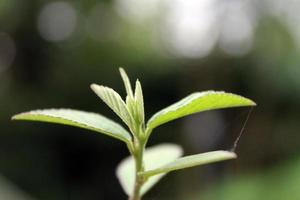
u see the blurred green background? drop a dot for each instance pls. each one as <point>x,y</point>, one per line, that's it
<point>51,51</point>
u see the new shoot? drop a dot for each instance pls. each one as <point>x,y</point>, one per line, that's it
<point>145,166</point>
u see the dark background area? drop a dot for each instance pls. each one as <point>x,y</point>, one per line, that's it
<point>51,51</point>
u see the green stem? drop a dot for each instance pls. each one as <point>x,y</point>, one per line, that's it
<point>139,180</point>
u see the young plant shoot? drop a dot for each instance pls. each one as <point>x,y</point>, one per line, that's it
<point>145,166</point>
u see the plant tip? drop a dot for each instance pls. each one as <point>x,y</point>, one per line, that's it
<point>93,86</point>
<point>121,69</point>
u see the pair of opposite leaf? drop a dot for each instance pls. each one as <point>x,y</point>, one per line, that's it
<point>160,159</point>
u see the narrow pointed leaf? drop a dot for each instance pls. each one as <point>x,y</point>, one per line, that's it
<point>131,107</point>
<point>86,120</point>
<point>192,161</point>
<point>198,102</point>
<point>153,157</point>
<point>114,101</point>
<point>126,82</point>
<point>139,99</point>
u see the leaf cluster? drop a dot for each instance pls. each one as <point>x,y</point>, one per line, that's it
<point>146,166</point>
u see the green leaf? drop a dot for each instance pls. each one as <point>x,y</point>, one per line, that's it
<point>197,102</point>
<point>192,161</point>
<point>86,120</point>
<point>114,101</point>
<point>139,99</point>
<point>126,82</point>
<point>154,157</point>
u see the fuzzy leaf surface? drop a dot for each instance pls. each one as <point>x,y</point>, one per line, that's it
<point>197,102</point>
<point>154,157</point>
<point>139,99</point>
<point>192,161</point>
<point>86,120</point>
<point>114,101</point>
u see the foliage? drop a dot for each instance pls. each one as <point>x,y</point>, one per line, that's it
<point>145,166</point>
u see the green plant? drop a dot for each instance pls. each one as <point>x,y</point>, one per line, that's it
<point>139,172</point>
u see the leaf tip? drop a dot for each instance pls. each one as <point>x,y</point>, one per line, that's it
<point>230,154</point>
<point>253,103</point>
<point>18,116</point>
<point>138,83</point>
<point>121,70</point>
<point>95,87</point>
<point>14,117</point>
<point>123,73</point>
<point>250,102</point>
<point>126,82</point>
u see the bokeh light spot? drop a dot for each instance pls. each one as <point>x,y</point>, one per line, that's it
<point>57,21</point>
<point>137,11</point>
<point>236,30</point>
<point>191,29</point>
